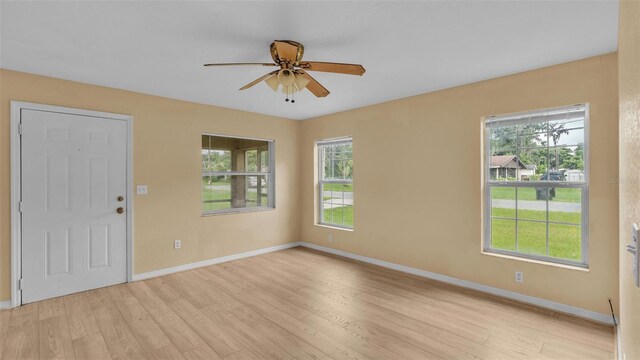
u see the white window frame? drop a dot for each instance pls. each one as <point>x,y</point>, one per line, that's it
<point>321,181</point>
<point>271,175</point>
<point>584,185</point>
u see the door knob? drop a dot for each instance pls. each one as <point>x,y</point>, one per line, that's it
<point>120,210</point>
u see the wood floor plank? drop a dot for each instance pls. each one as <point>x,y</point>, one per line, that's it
<point>241,355</point>
<point>211,332</point>
<point>50,308</point>
<point>203,352</point>
<point>291,343</point>
<point>127,349</point>
<point>119,338</point>
<point>180,334</point>
<point>91,347</point>
<point>81,320</point>
<point>168,352</point>
<point>55,338</point>
<point>163,290</point>
<point>247,336</point>
<point>5,316</point>
<point>23,336</point>
<point>146,331</point>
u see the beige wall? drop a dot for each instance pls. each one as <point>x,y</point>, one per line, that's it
<point>629,75</point>
<point>418,190</point>
<point>167,158</point>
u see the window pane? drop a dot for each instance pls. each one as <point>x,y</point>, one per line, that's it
<point>233,154</point>
<point>566,205</point>
<point>501,138</point>
<point>503,234</point>
<point>532,237</point>
<point>257,190</point>
<point>532,204</point>
<point>337,204</point>
<point>566,132</point>
<point>234,192</point>
<point>565,241</point>
<point>251,160</point>
<point>566,164</point>
<point>216,193</point>
<point>503,202</point>
<point>532,135</point>
<point>337,162</point>
<point>534,161</point>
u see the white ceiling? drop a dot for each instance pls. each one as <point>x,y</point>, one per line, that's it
<point>408,48</point>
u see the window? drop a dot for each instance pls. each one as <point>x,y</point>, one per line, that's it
<point>536,182</point>
<point>335,175</point>
<point>237,174</point>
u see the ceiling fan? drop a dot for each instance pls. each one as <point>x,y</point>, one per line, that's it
<point>292,75</point>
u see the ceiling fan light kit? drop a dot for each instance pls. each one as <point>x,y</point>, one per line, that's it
<point>292,75</point>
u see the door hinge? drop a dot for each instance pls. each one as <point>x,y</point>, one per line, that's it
<point>20,284</point>
<point>20,206</point>
<point>20,129</point>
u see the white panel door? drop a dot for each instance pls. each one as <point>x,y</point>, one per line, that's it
<point>73,182</point>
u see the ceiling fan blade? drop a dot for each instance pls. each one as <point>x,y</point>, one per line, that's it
<point>258,80</point>
<point>314,86</point>
<point>351,69</point>
<point>241,64</point>
<point>286,51</point>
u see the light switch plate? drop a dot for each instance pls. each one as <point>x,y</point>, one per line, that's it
<point>141,190</point>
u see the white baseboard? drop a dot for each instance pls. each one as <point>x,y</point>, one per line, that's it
<point>552,305</point>
<point>209,262</point>
<point>5,304</point>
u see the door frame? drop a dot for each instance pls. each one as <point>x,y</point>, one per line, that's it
<point>16,185</point>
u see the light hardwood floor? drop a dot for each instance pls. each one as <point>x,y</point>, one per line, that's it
<point>293,304</point>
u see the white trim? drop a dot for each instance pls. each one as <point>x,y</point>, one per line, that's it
<point>213,261</point>
<point>5,304</point>
<point>552,305</point>
<point>16,236</point>
<point>618,342</point>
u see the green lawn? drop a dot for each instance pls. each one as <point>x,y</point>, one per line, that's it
<point>564,240</point>
<point>562,194</point>
<point>338,187</point>
<point>209,194</point>
<point>342,216</point>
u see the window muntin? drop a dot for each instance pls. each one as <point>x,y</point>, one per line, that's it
<point>236,174</point>
<point>335,176</point>
<point>536,185</point>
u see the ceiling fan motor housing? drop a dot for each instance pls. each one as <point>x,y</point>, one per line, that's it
<point>298,57</point>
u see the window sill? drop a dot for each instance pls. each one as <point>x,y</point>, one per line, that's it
<point>238,211</point>
<point>584,268</point>
<point>334,227</point>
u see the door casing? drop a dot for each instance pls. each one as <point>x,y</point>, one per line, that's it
<point>16,186</point>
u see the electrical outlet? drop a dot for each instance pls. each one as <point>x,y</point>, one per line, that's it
<point>330,238</point>
<point>177,244</point>
<point>519,277</point>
